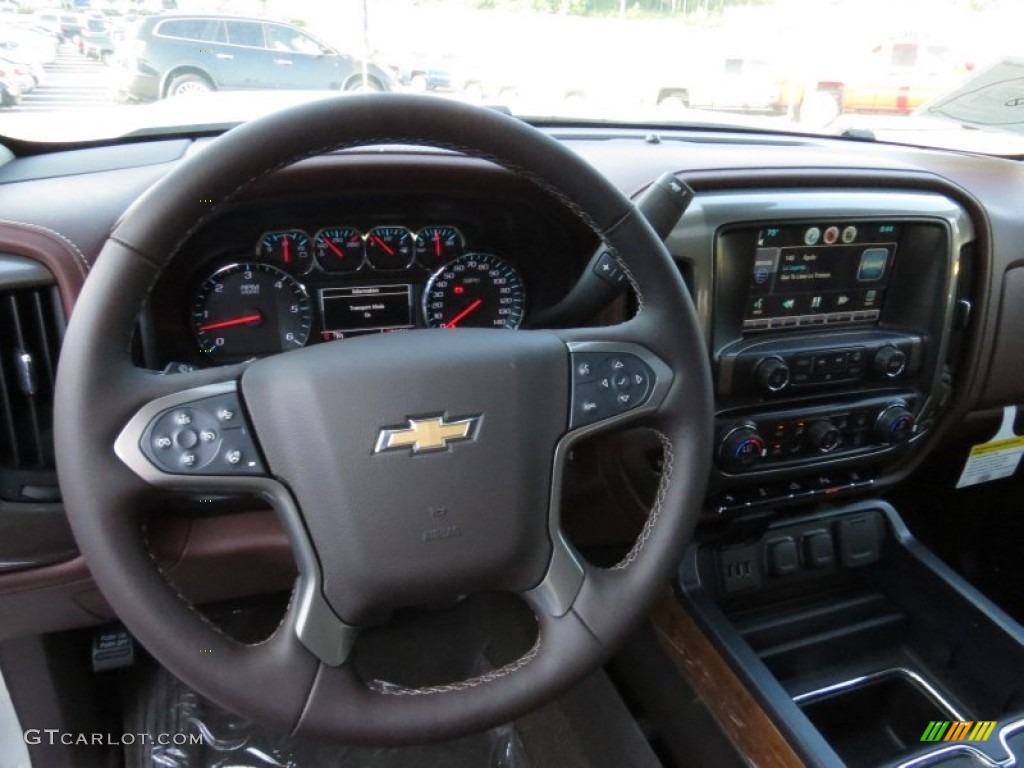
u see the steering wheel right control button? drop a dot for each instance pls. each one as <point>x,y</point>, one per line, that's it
<point>204,437</point>
<point>607,384</point>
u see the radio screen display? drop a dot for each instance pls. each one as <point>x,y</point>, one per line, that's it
<point>819,274</point>
<point>366,308</point>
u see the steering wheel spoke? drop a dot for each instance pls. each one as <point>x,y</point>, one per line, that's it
<point>200,439</point>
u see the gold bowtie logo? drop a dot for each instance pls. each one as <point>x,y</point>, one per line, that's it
<point>424,435</point>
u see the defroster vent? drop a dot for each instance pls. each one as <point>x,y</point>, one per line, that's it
<point>31,330</point>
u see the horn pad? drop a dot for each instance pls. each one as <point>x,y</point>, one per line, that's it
<point>421,460</point>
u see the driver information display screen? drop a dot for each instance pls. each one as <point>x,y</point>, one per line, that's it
<point>366,308</point>
<point>819,274</point>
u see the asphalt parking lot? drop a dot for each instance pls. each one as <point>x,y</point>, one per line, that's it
<point>72,81</point>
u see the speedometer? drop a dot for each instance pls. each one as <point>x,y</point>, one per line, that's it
<point>477,291</point>
<point>250,309</point>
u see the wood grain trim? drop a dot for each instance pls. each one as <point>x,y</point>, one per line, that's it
<point>740,716</point>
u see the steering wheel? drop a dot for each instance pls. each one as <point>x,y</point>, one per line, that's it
<point>376,436</point>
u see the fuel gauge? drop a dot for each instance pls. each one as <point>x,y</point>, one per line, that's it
<point>438,245</point>
<point>290,249</point>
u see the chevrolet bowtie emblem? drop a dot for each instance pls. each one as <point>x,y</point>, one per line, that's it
<point>424,435</point>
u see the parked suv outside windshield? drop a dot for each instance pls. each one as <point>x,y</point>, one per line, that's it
<point>172,55</point>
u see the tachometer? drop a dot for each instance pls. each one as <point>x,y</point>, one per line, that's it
<point>247,310</point>
<point>478,291</point>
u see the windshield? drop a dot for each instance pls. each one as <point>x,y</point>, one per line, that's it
<point>940,73</point>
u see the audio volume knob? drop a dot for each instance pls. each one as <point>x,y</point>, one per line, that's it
<point>894,424</point>
<point>741,447</point>
<point>772,374</point>
<point>824,436</point>
<point>890,362</point>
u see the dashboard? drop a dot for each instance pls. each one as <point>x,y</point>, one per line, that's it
<point>857,300</point>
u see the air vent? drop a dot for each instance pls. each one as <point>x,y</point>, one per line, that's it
<point>31,329</point>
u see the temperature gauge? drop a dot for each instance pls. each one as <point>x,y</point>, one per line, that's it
<point>389,247</point>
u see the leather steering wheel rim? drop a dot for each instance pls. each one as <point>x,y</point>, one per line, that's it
<point>279,681</point>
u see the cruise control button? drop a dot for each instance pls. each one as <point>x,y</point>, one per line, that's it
<point>207,436</point>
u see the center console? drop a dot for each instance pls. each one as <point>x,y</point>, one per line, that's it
<point>830,321</point>
<point>834,320</point>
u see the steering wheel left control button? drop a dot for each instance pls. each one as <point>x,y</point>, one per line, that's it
<point>208,436</point>
<point>616,383</point>
<point>186,438</point>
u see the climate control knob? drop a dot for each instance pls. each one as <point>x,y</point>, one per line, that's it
<point>772,374</point>
<point>894,424</point>
<point>740,447</point>
<point>890,362</point>
<point>824,436</point>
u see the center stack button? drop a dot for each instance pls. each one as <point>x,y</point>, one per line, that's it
<point>772,374</point>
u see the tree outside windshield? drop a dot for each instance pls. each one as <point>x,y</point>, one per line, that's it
<point>870,67</point>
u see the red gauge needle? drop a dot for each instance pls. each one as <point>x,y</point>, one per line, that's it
<point>463,314</point>
<point>387,249</point>
<point>437,244</point>
<point>335,248</point>
<point>255,317</point>
<point>287,251</point>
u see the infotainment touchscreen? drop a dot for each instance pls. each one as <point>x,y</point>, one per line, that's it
<point>819,274</point>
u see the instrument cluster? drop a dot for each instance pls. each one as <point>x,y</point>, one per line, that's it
<point>294,287</point>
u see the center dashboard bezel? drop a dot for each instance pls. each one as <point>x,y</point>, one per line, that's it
<point>939,231</point>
